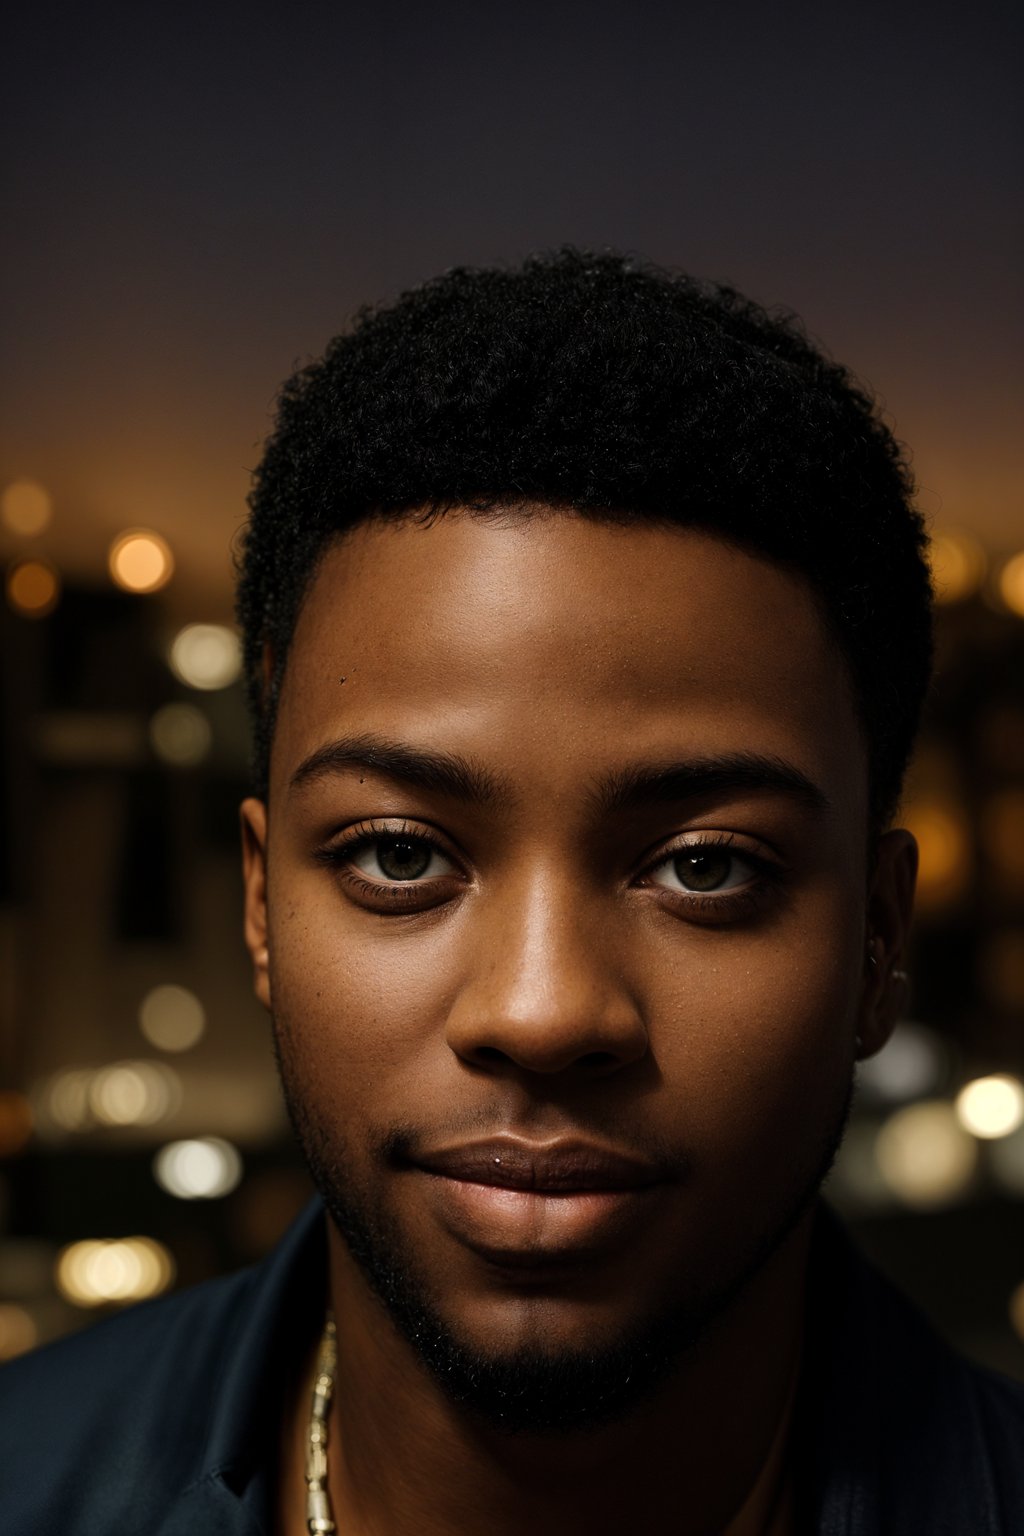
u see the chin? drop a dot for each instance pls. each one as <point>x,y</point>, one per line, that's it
<point>539,1373</point>
<point>567,1358</point>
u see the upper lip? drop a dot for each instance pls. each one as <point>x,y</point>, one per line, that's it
<point>556,1167</point>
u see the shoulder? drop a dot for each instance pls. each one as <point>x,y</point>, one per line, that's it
<point>98,1427</point>
<point>999,1404</point>
<point>898,1424</point>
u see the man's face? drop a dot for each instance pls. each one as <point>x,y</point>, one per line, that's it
<point>565,918</point>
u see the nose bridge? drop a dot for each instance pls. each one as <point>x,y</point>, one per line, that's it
<point>544,987</point>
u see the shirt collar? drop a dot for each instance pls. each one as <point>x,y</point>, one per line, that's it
<point>279,1311</point>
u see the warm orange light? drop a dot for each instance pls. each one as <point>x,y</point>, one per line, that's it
<point>1011,584</point>
<point>26,508</point>
<point>1002,834</point>
<point>15,1122</point>
<point>943,848</point>
<point>141,561</point>
<point>33,588</point>
<point>17,1331</point>
<point>958,565</point>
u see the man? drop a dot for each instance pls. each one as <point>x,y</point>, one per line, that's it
<point>587,625</point>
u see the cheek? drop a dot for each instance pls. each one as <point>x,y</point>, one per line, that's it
<point>358,1007</point>
<point>756,1036</point>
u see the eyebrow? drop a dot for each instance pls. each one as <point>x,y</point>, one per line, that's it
<point>445,773</point>
<point>458,777</point>
<point>717,775</point>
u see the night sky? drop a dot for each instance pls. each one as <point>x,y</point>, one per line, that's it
<point>195,199</point>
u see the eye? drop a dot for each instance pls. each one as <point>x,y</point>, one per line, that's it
<point>400,857</point>
<point>702,870</point>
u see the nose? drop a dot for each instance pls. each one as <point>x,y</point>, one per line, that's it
<point>543,991</point>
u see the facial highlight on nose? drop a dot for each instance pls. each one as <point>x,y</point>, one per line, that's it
<point>546,999</point>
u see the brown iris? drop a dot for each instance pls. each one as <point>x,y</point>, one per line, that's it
<point>703,870</point>
<point>401,859</point>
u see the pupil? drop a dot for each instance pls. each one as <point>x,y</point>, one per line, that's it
<point>402,860</point>
<point>702,871</point>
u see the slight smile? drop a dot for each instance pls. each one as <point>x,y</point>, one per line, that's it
<point>522,1204</point>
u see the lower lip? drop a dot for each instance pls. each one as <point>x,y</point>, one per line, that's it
<point>521,1226</point>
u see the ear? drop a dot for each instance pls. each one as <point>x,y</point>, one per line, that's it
<point>254,875</point>
<point>890,904</point>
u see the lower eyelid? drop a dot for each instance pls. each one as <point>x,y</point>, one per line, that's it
<point>759,877</point>
<point>351,856</point>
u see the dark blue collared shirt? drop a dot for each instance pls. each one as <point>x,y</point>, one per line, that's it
<point>165,1421</point>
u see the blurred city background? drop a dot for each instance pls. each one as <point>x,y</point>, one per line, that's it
<point>194,205</point>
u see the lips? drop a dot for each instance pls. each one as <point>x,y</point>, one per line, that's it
<point>552,1168</point>
<point>525,1206</point>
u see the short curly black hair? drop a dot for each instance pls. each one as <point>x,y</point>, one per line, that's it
<point>598,383</point>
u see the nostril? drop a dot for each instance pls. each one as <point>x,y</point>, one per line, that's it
<point>490,1053</point>
<point>593,1063</point>
<point>598,1061</point>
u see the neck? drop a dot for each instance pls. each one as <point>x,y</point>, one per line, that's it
<point>704,1455</point>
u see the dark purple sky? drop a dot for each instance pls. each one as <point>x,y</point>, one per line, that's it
<point>196,198</point>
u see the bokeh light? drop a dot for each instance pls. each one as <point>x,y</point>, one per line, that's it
<point>171,1017</point>
<point>33,588</point>
<point>133,1093</point>
<point>1016,1310</point>
<point>910,1065</point>
<point>206,656</point>
<point>203,1169</point>
<point>97,1271</point>
<point>180,735</point>
<point>18,1331</point>
<point>1006,1159</point>
<point>66,1099</point>
<point>1011,584</point>
<point>957,563</point>
<point>991,1107</point>
<point>856,1182</point>
<point>925,1156</point>
<point>140,560</point>
<point>15,1121</point>
<point>26,508</point>
<point>944,850</point>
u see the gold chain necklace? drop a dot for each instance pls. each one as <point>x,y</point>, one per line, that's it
<point>319,1518</point>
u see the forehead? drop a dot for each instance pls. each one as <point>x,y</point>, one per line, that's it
<point>550,642</point>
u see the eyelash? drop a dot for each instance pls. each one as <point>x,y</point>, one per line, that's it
<point>725,907</point>
<point>405,896</point>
